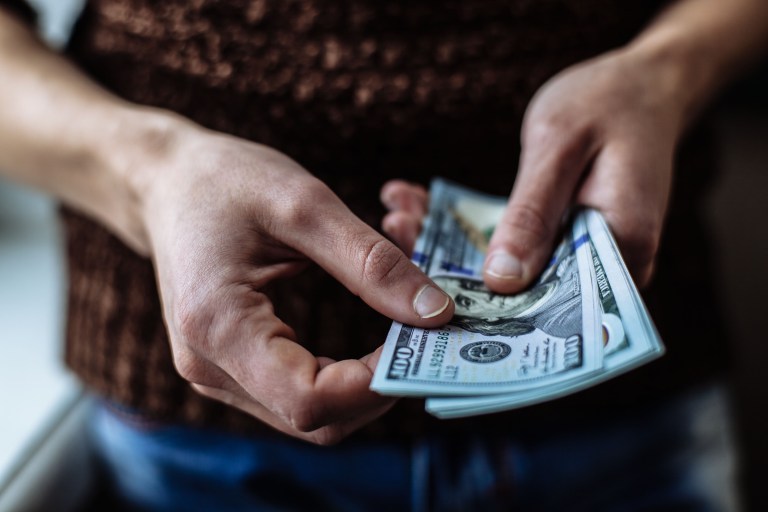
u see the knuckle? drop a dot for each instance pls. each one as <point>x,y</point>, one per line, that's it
<point>191,318</point>
<point>304,416</point>
<point>204,390</point>
<point>527,227</point>
<point>565,141</point>
<point>298,206</point>
<point>200,325</point>
<point>328,436</point>
<point>382,263</point>
<point>203,321</point>
<point>192,368</point>
<point>542,131</point>
<point>215,393</point>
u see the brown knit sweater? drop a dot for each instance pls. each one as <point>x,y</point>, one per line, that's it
<point>358,91</point>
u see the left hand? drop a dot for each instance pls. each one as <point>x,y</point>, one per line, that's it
<point>600,134</point>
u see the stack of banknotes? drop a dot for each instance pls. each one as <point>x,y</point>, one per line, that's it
<point>581,323</point>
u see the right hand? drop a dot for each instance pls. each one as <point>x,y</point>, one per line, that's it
<point>223,217</point>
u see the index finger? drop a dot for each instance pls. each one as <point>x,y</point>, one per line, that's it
<point>523,240</point>
<point>368,264</point>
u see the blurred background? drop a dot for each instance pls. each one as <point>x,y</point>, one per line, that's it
<point>738,211</point>
<point>42,454</point>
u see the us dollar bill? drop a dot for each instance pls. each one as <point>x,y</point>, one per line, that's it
<point>495,343</point>
<point>581,323</point>
<point>628,335</point>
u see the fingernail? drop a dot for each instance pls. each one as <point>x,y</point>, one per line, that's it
<point>430,302</point>
<point>503,265</point>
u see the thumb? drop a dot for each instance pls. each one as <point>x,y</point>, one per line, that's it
<point>523,239</point>
<point>371,267</point>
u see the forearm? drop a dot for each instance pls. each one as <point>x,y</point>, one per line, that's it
<point>700,45</point>
<point>62,133</point>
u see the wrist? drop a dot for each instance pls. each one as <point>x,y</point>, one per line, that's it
<point>709,42</point>
<point>137,143</point>
<point>141,141</point>
<point>684,80</point>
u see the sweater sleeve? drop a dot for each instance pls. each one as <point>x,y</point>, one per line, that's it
<point>20,8</point>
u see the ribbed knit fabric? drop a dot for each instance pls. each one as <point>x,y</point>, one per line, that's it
<point>358,91</point>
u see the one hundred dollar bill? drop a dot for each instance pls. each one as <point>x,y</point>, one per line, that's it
<point>579,324</point>
<point>629,337</point>
<point>495,343</point>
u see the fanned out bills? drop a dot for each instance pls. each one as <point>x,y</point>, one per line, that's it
<point>581,323</point>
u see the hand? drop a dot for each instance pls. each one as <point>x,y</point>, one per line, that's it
<point>600,134</point>
<point>408,205</point>
<point>224,217</point>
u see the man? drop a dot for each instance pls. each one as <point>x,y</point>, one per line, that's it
<point>222,219</point>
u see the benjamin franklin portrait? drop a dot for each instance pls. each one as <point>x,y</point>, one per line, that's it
<point>553,304</point>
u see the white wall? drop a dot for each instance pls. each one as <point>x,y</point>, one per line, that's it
<point>34,385</point>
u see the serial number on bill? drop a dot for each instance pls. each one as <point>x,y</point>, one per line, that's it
<point>436,369</point>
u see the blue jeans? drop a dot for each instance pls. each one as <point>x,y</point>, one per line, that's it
<point>675,456</point>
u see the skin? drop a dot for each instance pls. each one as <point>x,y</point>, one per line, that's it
<point>220,217</point>
<point>479,302</point>
<point>603,134</point>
